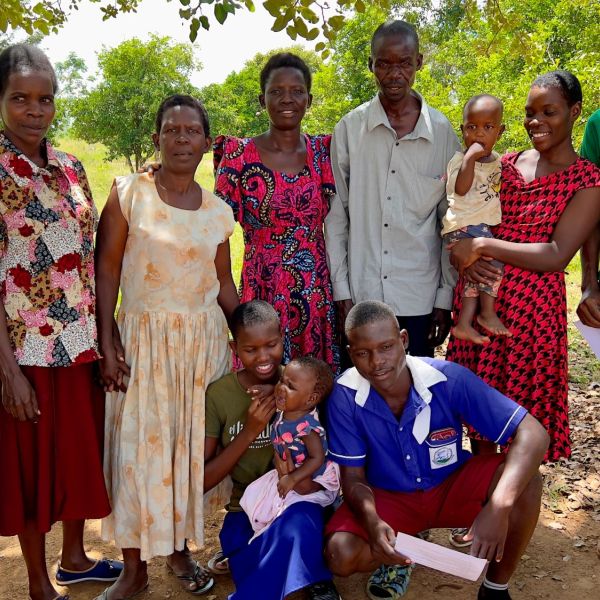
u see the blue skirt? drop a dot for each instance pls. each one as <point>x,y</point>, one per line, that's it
<point>287,557</point>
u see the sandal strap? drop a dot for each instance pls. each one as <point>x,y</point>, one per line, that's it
<point>198,582</point>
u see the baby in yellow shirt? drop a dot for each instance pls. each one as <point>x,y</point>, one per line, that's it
<point>473,186</point>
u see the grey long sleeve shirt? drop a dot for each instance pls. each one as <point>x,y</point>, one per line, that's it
<point>383,230</point>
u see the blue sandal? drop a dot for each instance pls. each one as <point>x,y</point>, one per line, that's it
<point>105,570</point>
<point>389,582</point>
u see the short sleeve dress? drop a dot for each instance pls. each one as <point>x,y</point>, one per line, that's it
<point>531,366</point>
<point>287,437</point>
<point>282,219</point>
<point>176,343</point>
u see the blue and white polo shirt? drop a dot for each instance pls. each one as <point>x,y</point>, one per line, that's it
<point>422,448</point>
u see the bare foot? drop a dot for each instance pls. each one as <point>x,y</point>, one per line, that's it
<point>127,586</point>
<point>45,592</point>
<point>470,334</point>
<point>493,324</point>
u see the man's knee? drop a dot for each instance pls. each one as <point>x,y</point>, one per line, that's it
<point>342,551</point>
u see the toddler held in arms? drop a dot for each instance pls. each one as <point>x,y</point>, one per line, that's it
<point>304,474</point>
<point>473,187</point>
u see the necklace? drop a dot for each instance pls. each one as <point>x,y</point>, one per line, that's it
<point>167,190</point>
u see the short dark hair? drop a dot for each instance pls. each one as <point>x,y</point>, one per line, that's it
<point>400,28</point>
<point>321,371</point>
<point>284,60</point>
<point>182,100</point>
<point>369,311</point>
<point>474,99</point>
<point>252,313</point>
<point>23,57</point>
<point>565,81</point>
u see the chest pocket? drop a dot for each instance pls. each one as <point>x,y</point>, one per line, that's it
<point>443,448</point>
<point>426,195</point>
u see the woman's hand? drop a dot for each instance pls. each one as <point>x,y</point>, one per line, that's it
<point>463,254</point>
<point>589,308</point>
<point>113,368</point>
<point>262,392</point>
<point>482,271</point>
<point>259,414</point>
<point>150,168</point>
<point>19,399</point>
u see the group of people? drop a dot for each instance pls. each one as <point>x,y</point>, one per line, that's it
<point>345,274</point>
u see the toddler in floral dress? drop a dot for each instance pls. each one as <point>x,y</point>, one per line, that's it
<point>300,444</point>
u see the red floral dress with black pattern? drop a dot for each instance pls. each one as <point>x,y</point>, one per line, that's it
<point>47,225</point>
<point>282,218</point>
<point>531,366</point>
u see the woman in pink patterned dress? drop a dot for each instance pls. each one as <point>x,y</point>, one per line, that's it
<point>550,204</point>
<point>52,412</point>
<point>279,185</point>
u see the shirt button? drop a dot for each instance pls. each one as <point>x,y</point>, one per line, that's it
<point>385,276</point>
<point>397,143</point>
<point>385,224</point>
<point>408,457</point>
<point>385,251</point>
<point>418,480</point>
<point>401,428</point>
<point>393,171</point>
<point>389,197</point>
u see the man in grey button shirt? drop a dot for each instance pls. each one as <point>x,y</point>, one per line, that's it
<point>389,159</point>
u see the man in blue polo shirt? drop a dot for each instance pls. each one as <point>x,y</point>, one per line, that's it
<point>395,428</point>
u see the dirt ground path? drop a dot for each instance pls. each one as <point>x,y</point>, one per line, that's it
<point>562,561</point>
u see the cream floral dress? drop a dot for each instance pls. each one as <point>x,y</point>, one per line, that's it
<point>175,339</point>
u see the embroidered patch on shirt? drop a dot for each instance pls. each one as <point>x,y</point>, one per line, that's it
<point>442,456</point>
<point>441,435</point>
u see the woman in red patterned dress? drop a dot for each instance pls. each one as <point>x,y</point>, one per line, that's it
<point>550,204</point>
<point>279,185</point>
<point>52,412</point>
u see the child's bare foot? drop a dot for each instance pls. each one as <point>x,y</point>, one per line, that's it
<point>493,324</point>
<point>470,334</point>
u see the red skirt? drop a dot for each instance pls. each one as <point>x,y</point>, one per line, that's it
<point>52,470</point>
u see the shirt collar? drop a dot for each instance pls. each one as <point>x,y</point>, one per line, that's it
<point>53,158</point>
<point>423,128</point>
<point>424,377</point>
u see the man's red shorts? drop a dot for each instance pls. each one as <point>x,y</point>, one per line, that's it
<point>454,503</point>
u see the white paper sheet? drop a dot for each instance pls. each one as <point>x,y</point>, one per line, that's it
<point>440,558</point>
<point>591,336</point>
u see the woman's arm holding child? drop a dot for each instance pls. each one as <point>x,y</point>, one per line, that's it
<point>295,480</point>
<point>574,227</point>
<point>218,466</point>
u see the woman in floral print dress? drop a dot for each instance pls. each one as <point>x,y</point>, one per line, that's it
<point>52,420</point>
<point>279,185</point>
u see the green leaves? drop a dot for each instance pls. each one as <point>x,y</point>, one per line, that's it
<point>220,13</point>
<point>135,77</point>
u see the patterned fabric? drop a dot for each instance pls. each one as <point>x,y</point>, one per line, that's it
<point>531,366</point>
<point>47,224</point>
<point>284,259</point>
<point>471,290</point>
<point>175,339</point>
<point>287,436</point>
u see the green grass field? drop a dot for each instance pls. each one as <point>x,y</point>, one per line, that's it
<point>584,367</point>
